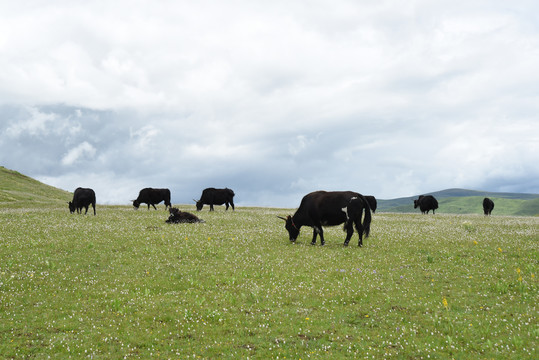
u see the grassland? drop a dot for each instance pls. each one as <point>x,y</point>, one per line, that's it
<point>18,190</point>
<point>123,284</point>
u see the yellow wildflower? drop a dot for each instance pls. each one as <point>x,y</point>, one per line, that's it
<point>444,302</point>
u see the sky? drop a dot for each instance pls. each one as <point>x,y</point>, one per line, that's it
<point>273,99</point>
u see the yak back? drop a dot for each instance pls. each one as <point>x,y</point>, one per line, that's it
<point>323,207</point>
<point>216,196</point>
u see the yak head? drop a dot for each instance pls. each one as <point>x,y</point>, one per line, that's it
<point>71,207</point>
<point>136,204</point>
<point>416,204</point>
<point>293,230</point>
<point>199,204</point>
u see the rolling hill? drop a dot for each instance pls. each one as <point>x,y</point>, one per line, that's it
<point>462,201</point>
<point>18,190</point>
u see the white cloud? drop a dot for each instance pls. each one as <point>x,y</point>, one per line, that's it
<point>383,97</point>
<point>84,150</point>
<point>38,123</point>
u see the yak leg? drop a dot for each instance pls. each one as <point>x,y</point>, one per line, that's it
<point>226,204</point>
<point>322,242</point>
<point>317,230</point>
<point>349,227</point>
<point>211,207</point>
<point>359,228</point>
<point>232,204</point>
<point>86,207</point>
<point>315,234</point>
<point>153,207</point>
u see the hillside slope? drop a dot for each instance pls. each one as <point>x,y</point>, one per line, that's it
<point>462,201</point>
<point>18,190</point>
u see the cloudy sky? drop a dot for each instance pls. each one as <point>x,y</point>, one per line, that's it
<point>273,99</point>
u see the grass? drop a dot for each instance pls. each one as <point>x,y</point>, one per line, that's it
<point>123,284</point>
<point>18,190</point>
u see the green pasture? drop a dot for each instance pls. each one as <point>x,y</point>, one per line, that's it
<point>124,284</point>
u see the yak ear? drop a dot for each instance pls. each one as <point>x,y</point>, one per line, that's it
<point>283,218</point>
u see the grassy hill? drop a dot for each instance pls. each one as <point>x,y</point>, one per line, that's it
<point>462,201</point>
<point>18,190</point>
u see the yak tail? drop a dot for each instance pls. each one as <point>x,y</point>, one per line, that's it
<point>367,219</point>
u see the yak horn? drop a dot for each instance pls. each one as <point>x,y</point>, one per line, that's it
<point>280,217</point>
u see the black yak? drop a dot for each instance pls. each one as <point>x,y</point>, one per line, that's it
<point>82,198</point>
<point>151,197</point>
<point>177,216</point>
<point>213,196</point>
<point>488,206</point>
<point>322,208</point>
<point>426,203</point>
<point>372,202</point>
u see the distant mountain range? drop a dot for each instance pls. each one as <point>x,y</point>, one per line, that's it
<point>463,201</point>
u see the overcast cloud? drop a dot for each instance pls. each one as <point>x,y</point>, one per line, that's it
<point>272,99</point>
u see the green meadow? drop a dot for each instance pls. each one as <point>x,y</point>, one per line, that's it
<point>124,284</point>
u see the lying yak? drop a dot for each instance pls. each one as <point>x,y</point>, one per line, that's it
<point>177,216</point>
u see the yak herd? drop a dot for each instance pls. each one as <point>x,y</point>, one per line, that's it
<point>316,210</point>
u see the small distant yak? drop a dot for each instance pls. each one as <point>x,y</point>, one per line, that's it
<point>82,198</point>
<point>213,196</point>
<point>372,202</point>
<point>426,203</point>
<point>330,208</point>
<point>152,197</point>
<point>488,206</point>
<point>178,217</point>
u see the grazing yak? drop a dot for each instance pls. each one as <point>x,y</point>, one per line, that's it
<point>213,196</point>
<point>426,203</point>
<point>488,206</point>
<point>82,198</point>
<point>322,208</point>
<point>152,197</point>
<point>177,216</point>
<point>372,202</point>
